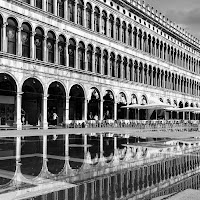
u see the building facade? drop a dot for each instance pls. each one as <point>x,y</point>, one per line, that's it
<point>86,59</point>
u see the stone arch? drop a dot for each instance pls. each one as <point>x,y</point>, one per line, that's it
<point>108,104</point>
<point>122,101</point>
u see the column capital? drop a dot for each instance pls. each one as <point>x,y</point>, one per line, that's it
<point>5,24</point>
<point>20,93</point>
<point>19,28</point>
<point>33,33</point>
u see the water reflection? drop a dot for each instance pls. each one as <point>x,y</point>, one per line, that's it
<point>102,166</point>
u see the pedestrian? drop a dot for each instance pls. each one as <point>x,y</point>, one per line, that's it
<point>55,116</point>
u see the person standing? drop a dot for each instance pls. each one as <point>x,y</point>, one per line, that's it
<point>55,116</point>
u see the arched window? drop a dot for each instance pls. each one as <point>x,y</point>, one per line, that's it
<point>135,37</point>
<point>50,6</point>
<point>80,12</point>
<point>97,60</point>
<point>125,68</point>
<point>96,19</point>
<point>89,57</point>
<point>104,22</point>
<point>145,74</point>
<point>61,8</point>
<point>135,71</point>
<point>89,16</point>
<point>119,66</point>
<point>111,26</point>
<point>71,4</point>
<point>25,37</point>
<point>38,4</point>
<point>130,70</point>
<point>141,73</point>
<point>1,30</point>
<point>50,46</point>
<point>72,53</point>
<point>124,32</point>
<point>112,64</point>
<point>149,44</point>
<point>11,33</point>
<point>39,43</point>
<point>81,56</point>
<point>145,42</point>
<point>105,62</point>
<point>61,50</point>
<point>118,29</point>
<point>140,40</point>
<point>129,35</point>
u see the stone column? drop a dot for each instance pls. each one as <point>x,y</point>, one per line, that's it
<point>84,16</point>
<point>19,107</point>
<point>92,20</point>
<point>115,111</point>
<point>115,143</point>
<point>18,149</point>
<point>32,2</point>
<point>67,110</point>
<point>45,49</point>
<point>76,62</point>
<point>65,9</point>
<point>56,52</point>
<point>85,145</point>
<point>44,5</point>
<point>93,62</point>
<point>101,146</point>
<point>44,112</point>
<point>19,41</point>
<point>101,110</point>
<point>32,45</point>
<point>55,7</point>
<point>4,42</point>
<point>66,55</point>
<point>85,109</point>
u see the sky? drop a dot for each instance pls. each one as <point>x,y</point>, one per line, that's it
<point>185,13</point>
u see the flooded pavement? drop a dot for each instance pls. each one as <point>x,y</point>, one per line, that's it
<point>96,166</point>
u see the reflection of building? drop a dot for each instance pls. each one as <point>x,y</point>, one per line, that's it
<point>54,52</point>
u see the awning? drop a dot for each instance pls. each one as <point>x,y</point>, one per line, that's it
<point>186,109</point>
<point>134,106</point>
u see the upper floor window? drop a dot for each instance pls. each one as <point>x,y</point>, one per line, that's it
<point>72,52</point>
<point>89,57</point>
<point>111,26</point>
<point>130,35</point>
<point>104,22</point>
<point>50,47</point>
<point>124,32</point>
<point>80,12</point>
<point>50,6</point>
<point>97,60</point>
<point>119,66</point>
<point>112,64</point>
<point>118,29</point>
<point>105,62</point>
<point>61,50</point>
<point>81,56</point>
<point>38,4</point>
<point>25,38</point>
<point>11,33</point>
<point>39,36</point>
<point>89,16</point>
<point>71,10</point>
<point>61,8</point>
<point>96,19</point>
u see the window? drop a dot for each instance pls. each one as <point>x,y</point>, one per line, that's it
<point>38,4</point>
<point>89,16</point>
<point>11,33</point>
<point>89,57</point>
<point>117,29</point>
<point>111,26</point>
<point>61,50</point>
<point>81,56</point>
<point>1,27</point>
<point>71,10</point>
<point>97,60</point>
<point>112,64</point>
<point>105,62</point>
<point>71,52</point>
<point>25,38</point>
<point>61,8</point>
<point>96,19</point>
<point>119,66</point>
<point>130,35</point>
<point>125,68</point>
<point>39,43</point>
<point>80,12</point>
<point>50,6</point>
<point>130,70</point>
<point>135,37</point>
<point>104,22</point>
<point>124,32</point>
<point>50,47</point>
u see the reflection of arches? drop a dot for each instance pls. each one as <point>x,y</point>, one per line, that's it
<point>180,105</point>
<point>8,89</point>
<point>143,112</point>
<point>56,103</point>
<point>31,164</point>
<point>121,112</point>
<point>32,100</point>
<point>76,102</point>
<point>108,105</point>
<point>93,104</point>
